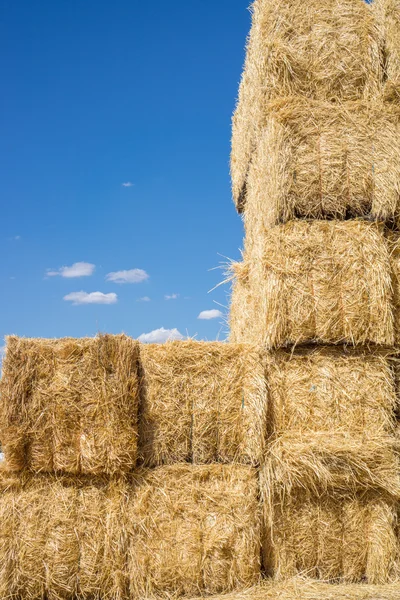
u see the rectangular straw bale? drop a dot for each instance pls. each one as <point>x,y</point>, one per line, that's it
<point>195,530</point>
<point>167,532</point>
<point>70,405</point>
<point>321,281</point>
<point>332,418</point>
<point>329,389</point>
<point>202,403</point>
<point>337,538</point>
<point>323,49</point>
<point>302,588</point>
<point>316,160</point>
<point>388,18</point>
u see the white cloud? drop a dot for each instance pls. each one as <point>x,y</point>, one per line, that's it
<point>17,237</point>
<point>93,298</point>
<point>171,297</point>
<point>131,276</point>
<point>144,299</point>
<point>127,184</point>
<point>207,315</point>
<point>160,336</point>
<point>79,269</point>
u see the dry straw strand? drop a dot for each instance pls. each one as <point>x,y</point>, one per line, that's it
<point>323,50</point>
<point>70,405</point>
<point>202,403</point>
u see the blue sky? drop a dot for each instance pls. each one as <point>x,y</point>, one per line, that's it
<point>98,94</point>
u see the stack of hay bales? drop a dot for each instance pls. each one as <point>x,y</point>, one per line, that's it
<point>316,175</point>
<point>130,471</point>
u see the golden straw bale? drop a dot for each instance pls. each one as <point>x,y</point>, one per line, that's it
<point>329,389</point>
<point>301,588</point>
<point>70,405</point>
<point>332,537</point>
<point>322,49</point>
<point>321,281</point>
<point>195,530</point>
<point>202,403</point>
<point>388,17</point>
<point>167,532</point>
<point>316,160</point>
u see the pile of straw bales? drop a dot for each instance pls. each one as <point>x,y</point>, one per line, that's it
<point>268,466</point>
<point>176,530</point>
<point>315,170</point>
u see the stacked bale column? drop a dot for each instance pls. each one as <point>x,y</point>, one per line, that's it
<point>316,174</point>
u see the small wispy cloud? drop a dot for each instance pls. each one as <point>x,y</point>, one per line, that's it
<point>78,298</point>
<point>207,315</point>
<point>127,184</point>
<point>144,299</point>
<point>17,237</point>
<point>171,297</point>
<point>79,269</point>
<point>130,276</point>
<point>160,336</point>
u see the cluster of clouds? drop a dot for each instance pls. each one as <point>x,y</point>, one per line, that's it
<point>131,276</point>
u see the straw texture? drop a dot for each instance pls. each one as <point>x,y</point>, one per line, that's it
<point>336,538</point>
<point>169,532</point>
<point>316,160</point>
<point>202,403</point>
<point>70,405</point>
<point>332,417</point>
<point>320,281</point>
<point>322,49</point>
<point>388,18</point>
<point>300,588</point>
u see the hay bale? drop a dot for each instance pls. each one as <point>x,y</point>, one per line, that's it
<point>202,403</point>
<point>301,588</point>
<point>168,532</point>
<point>388,18</point>
<point>321,281</point>
<point>322,390</point>
<point>335,538</point>
<point>195,530</point>
<point>316,160</point>
<point>70,405</point>
<point>324,50</point>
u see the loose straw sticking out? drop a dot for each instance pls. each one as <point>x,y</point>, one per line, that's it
<point>321,281</point>
<point>316,160</point>
<point>301,588</point>
<point>202,403</point>
<point>322,49</point>
<point>70,405</point>
<point>388,17</point>
<point>172,531</point>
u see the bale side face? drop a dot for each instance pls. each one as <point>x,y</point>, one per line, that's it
<point>338,539</point>
<point>202,403</point>
<point>316,160</point>
<point>70,405</point>
<point>320,50</point>
<point>332,419</point>
<point>388,16</point>
<point>169,532</point>
<point>322,281</point>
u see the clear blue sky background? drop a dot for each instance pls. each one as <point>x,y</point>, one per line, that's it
<point>96,94</point>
